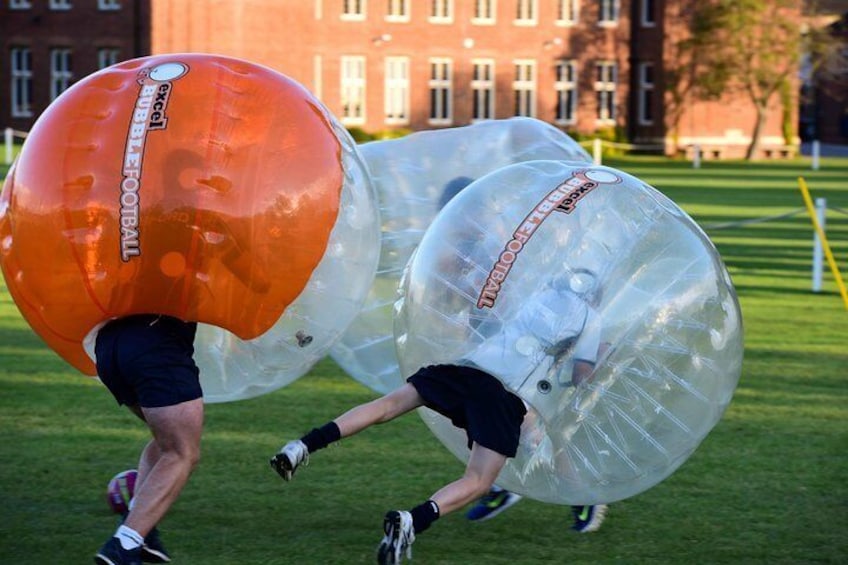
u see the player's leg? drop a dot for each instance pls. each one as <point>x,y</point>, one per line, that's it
<point>296,453</point>
<point>400,526</point>
<point>480,474</point>
<point>172,456</point>
<point>379,411</point>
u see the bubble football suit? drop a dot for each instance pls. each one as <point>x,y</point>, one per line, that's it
<point>415,176</point>
<point>542,270</point>
<point>198,186</point>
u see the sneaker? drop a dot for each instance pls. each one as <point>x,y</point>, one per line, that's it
<point>496,501</point>
<point>113,554</point>
<point>289,458</point>
<point>152,550</point>
<point>400,534</point>
<point>588,518</point>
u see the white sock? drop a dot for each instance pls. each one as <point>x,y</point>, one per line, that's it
<point>129,538</point>
<point>131,504</point>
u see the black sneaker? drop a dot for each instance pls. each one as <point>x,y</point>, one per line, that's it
<point>397,525</point>
<point>588,518</point>
<point>113,554</point>
<point>152,551</point>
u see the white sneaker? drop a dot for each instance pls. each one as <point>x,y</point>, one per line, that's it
<point>289,458</point>
<point>400,534</point>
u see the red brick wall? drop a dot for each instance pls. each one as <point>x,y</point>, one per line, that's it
<point>84,29</point>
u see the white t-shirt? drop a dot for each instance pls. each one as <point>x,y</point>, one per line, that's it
<point>526,342</point>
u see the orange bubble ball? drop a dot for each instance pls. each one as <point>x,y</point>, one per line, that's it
<point>197,186</point>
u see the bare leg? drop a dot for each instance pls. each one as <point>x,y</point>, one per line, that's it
<point>379,411</point>
<point>480,474</point>
<point>167,461</point>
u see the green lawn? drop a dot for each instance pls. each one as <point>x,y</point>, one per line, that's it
<point>768,485</point>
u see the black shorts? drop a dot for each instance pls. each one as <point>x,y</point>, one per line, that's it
<point>148,360</point>
<point>474,401</point>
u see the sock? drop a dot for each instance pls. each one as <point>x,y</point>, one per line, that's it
<point>129,538</point>
<point>319,438</point>
<point>424,515</point>
<point>131,504</point>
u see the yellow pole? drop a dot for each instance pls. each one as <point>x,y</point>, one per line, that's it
<point>830,260</point>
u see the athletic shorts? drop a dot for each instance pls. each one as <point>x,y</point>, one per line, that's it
<point>148,360</point>
<point>474,401</point>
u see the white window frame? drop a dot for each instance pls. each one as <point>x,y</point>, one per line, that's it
<point>441,12</point>
<point>441,91</point>
<point>526,12</point>
<point>485,12</point>
<point>568,13</point>
<point>396,97</point>
<point>647,89</point>
<point>647,13</point>
<point>398,11</point>
<point>608,13</point>
<point>21,81</point>
<point>565,84</point>
<point>59,5</point>
<point>483,90</point>
<point>108,5</point>
<point>524,88</point>
<point>606,80</point>
<point>354,10</point>
<point>352,89</point>
<point>61,76</point>
<point>107,56</point>
<point>20,4</point>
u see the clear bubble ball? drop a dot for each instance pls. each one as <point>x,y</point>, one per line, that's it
<point>595,299</point>
<point>415,176</point>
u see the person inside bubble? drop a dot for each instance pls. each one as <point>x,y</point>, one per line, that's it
<point>472,397</point>
<point>558,330</point>
<point>147,363</point>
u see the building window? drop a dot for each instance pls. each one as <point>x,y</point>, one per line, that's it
<point>397,90</point>
<point>441,12</point>
<point>484,12</point>
<point>353,90</point>
<point>353,10</point>
<point>566,91</point>
<point>646,93</point>
<point>526,12</point>
<point>605,79</point>
<point>608,12</point>
<point>483,89</point>
<point>524,88</point>
<point>398,11</point>
<point>106,5</point>
<point>60,71</point>
<point>21,82</point>
<point>20,4</point>
<point>441,91</point>
<point>648,13</point>
<point>107,56</point>
<point>59,4</point>
<point>568,12</point>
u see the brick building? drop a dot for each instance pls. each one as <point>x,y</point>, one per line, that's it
<point>49,44</point>
<point>583,65</point>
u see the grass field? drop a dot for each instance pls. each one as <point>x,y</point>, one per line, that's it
<point>768,485</point>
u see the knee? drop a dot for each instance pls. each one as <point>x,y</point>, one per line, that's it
<point>187,453</point>
<point>478,484</point>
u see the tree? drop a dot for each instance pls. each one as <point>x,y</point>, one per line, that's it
<point>748,47</point>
